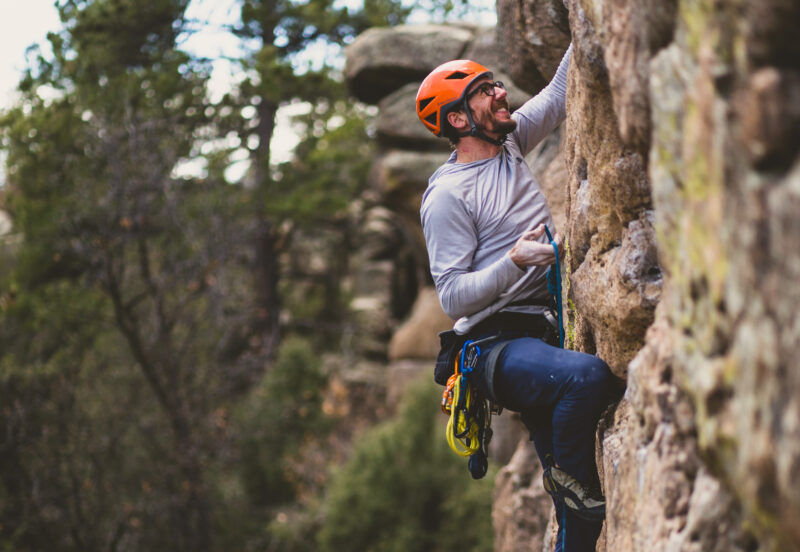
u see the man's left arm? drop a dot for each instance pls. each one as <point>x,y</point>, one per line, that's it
<point>544,112</point>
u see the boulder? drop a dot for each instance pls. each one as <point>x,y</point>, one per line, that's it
<point>418,336</point>
<point>398,126</point>
<point>399,177</point>
<point>6,224</point>
<point>381,60</point>
<point>534,36</point>
<point>521,508</point>
<point>508,432</point>
<point>384,281</point>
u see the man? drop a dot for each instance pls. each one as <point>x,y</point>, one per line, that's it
<point>483,216</point>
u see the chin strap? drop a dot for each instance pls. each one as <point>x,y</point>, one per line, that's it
<point>478,133</point>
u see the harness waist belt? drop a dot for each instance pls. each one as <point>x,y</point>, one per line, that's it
<point>531,302</point>
<point>535,325</point>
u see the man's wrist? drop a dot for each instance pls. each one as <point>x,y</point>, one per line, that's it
<point>515,259</point>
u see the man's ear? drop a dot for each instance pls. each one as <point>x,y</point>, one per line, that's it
<point>458,120</point>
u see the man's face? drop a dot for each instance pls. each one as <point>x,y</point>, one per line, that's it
<point>491,113</point>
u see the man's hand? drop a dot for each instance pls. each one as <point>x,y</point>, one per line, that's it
<point>529,252</point>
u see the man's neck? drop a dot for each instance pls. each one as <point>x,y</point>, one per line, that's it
<point>470,149</point>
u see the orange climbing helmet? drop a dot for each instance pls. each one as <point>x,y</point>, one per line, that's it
<point>444,88</point>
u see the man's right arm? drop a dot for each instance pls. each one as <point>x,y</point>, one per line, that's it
<point>452,240</point>
<point>545,111</point>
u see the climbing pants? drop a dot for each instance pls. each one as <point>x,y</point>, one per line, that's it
<point>560,395</point>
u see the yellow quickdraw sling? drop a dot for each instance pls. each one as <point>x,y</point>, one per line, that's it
<point>470,416</point>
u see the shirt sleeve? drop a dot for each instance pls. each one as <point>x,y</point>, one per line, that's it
<point>451,238</point>
<point>541,114</point>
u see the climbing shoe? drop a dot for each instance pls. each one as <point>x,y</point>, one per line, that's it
<point>585,502</point>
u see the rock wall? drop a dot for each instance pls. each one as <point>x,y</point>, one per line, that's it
<point>680,185</point>
<point>681,143</point>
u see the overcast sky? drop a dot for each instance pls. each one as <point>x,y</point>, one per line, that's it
<point>22,22</point>
<point>25,22</point>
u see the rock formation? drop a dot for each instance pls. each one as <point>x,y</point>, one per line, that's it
<point>681,143</point>
<point>682,179</point>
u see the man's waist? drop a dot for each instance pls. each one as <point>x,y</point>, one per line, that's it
<point>531,302</point>
<point>535,325</point>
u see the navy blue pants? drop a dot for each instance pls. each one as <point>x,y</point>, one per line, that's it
<point>560,395</point>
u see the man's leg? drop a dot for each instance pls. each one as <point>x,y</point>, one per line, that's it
<point>533,378</point>
<point>583,534</point>
<point>561,395</point>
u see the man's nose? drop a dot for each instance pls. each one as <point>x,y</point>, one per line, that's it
<point>500,93</point>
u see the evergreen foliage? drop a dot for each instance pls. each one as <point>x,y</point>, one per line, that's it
<point>404,489</point>
<point>287,402</point>
<point>152,397</point>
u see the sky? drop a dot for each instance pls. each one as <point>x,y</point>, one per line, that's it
<point>25,22</point>
<point>22,22</point>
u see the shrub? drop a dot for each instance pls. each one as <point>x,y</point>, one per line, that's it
<point>403,489</point>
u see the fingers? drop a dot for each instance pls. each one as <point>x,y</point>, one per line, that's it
<point>530,252</point>
<point>533,234</point>
<point>559,241</point>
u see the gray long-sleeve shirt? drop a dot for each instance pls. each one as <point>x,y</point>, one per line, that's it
<point>473,214</point>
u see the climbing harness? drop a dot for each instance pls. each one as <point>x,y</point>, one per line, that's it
<point>554,287</point>
<point>470,414</point>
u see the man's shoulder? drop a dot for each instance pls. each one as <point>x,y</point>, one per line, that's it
<point>453,179</point>
<point>455,182</point>
<point>448,190</point>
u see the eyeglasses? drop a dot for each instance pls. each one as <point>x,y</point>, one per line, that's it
<point>488,88</point>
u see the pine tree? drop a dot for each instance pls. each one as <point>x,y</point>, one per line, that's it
<point>142,306</point>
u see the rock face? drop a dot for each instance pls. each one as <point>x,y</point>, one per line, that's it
<point>518,497</point>
<point>535,35</point>
<point>680,183</point>
<point>682,144</point>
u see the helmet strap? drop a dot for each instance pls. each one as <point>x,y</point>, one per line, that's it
<point>477,132</point>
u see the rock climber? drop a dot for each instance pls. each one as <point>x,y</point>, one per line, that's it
<point>483,216</point>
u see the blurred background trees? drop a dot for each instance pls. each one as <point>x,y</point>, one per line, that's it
<point>155,392</point>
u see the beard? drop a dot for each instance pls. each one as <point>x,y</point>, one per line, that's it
<point>505,127</point>
<point>491,124</point>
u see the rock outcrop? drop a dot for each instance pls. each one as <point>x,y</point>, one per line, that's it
<point>681,176</point>
<point>698,146</point>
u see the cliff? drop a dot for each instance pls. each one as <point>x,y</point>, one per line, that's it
<point>680,182</point>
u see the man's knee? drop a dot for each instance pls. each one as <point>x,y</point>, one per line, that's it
<point>595,377</point>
